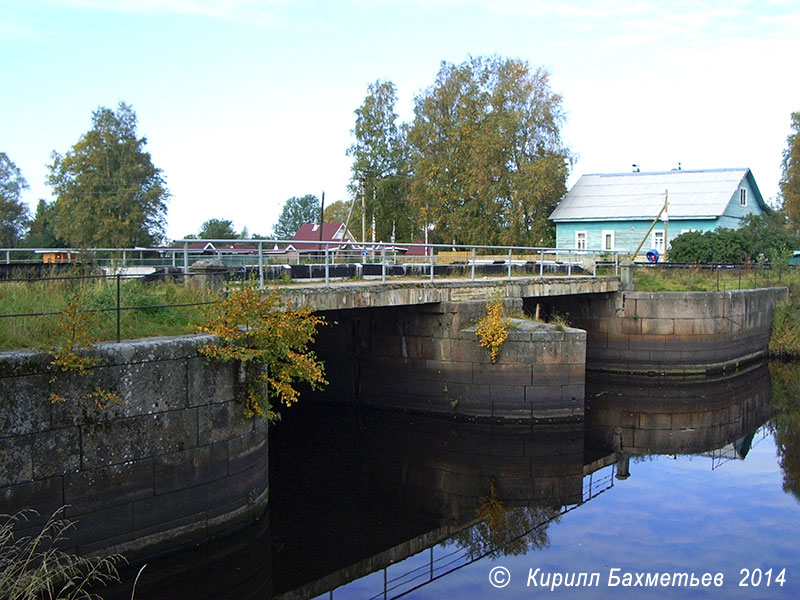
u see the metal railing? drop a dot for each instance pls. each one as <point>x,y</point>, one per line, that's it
<point>274,258</point>
<point>115,293</point>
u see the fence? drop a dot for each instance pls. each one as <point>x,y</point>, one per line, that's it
<point>713,277</point>
<point>114,305</point>
<point>274,259</point>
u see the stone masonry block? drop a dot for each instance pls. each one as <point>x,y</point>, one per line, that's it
<point>178,470</point>
<point>502,374</point>
<point>46,495</point>
<point>24,404</point>
<point>657,326</point>
<point>135,438</point>
<point>219,422</point>
<point>209,381</point>
<point>96,489</point>
<point>57,452</point>
<point>16,465</point>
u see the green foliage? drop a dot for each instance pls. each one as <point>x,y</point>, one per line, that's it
<point>35,567</point>
<point>765,237</point>
<point>297,211</point>
<point>488,162</point>
<point>337,212</point>
<point>785,378</point>
<point>109,194</point>
<point>380,166</point>
<point>52,296</point>
<point>13,212</point>
<point>42,229</point>
<point>271,345</point>
<point>790,172</point>
<point>217,229</point>
<point>785,339</point>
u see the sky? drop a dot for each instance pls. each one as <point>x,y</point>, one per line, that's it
<point>246,103</point>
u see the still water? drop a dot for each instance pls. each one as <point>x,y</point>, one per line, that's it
<point>665,482</point>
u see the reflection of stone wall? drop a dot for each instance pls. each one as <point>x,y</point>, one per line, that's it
<point>672,332</point>
<point>443,468</point>
<point>427,358</point>
<point>173,464</point>
<point>652,415</point>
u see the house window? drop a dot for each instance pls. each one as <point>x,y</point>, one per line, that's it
<point>608,240</point>
<point>580,240</point>
<point>658,241</point>
<point>742,197</point>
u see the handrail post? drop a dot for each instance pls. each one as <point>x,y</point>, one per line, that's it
<point>616,264</point>
<point>261,265</point>
<point>509,264</point>
<point>185,257</point>
<point>473,264</point>
<point>327,271</point>
<point>118,307</point>
<point>383,264</point>
<point>569,264</point>
<point>431,265</point>
<point>541,263</point>
<point>594,265</point>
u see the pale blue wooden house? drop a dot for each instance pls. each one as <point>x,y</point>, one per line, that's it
<point>614,211</point>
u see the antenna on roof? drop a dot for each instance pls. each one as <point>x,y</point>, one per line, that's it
<point>635,168</point>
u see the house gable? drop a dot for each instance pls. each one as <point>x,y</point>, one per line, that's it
<point>618,209</point>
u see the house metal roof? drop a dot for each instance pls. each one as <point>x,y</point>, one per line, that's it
<point>701,194</point>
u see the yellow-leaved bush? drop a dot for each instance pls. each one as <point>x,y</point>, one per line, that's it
<point>270,342</point>
<point>72,337</point>
<point>492,330</point>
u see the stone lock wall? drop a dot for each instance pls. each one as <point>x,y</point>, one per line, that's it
<point>673,332</point>
<point>427,359</point>
<point>172,464</point>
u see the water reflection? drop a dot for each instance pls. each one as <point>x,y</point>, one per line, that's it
<point>395,484</point>
<point>786,426</point>
<point>641,416</point>
<point>367,503</point>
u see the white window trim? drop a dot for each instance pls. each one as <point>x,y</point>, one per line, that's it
<point>655,246</point>
<point>607,232</point>
<point>585,235</point>
<point>742,197</point>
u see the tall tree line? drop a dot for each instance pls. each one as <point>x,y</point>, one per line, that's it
<point>482,161</point>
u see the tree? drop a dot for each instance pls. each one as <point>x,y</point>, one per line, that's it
<point>217,229</point>
<point>13,212</point>
<point>337,212</point>
<point>42,229</point>
<point>380,165</point>
<point>487,158</point>
<point>790,172</point>
<point>296,212</point>
<point>108,191</point>
<point>768,234</point>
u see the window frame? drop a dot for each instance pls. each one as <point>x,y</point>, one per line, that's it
<point>585,235</point>
<point>606,233</point>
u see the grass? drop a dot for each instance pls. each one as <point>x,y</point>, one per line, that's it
<point>97,294</point>
<point>34,566</point>
<point>661,279</point>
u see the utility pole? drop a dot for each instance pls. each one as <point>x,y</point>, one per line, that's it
<point>666,221</point>
<point>363,210</point>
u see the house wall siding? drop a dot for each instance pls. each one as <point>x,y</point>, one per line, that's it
<point>627,234</point>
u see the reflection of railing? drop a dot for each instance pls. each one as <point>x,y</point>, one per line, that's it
<point>452,557</point>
